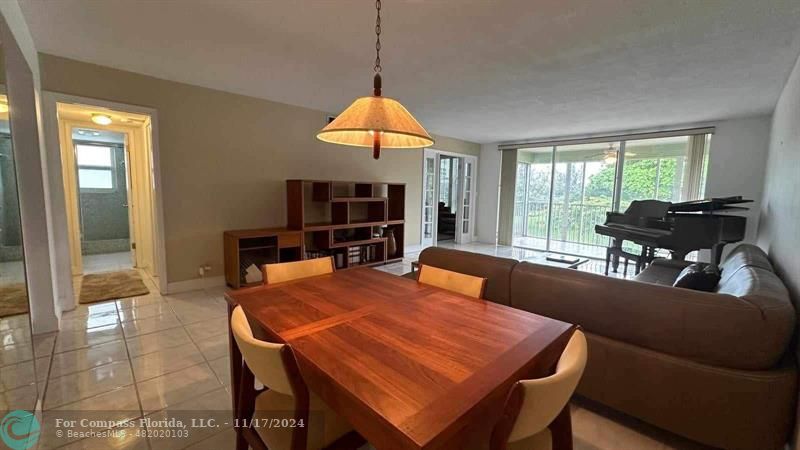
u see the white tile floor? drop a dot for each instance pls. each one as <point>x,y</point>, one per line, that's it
<point>107,262</point>
<point>155,356</point>
<point>149,356</point>
<point>12,272</point>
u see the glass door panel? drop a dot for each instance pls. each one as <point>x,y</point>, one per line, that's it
<point>520,194</point>
<point>532,208</point>
<point>583,191</point>
<point>467,198</point>
<point>655,169</point>
<point>428,199</point>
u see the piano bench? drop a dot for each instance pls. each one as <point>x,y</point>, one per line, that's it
<point>614,253</point>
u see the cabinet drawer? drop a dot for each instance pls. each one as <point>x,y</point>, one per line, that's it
<point>289,240</point>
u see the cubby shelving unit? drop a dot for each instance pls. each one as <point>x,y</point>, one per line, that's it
<point>348,220</point>
<point>257,247</point>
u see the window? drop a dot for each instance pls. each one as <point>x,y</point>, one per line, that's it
<point>563,191</point>
<point>95,167</point>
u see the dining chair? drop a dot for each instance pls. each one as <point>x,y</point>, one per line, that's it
<point>288,271</point>
<point>532,406</point>
<point>468,285</point>
<point>306,422</point>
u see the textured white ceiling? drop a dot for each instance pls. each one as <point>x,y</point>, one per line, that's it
<point>475,69</point>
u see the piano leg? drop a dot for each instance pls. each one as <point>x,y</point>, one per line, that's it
<point>616,244</point>
<point>716,253</point>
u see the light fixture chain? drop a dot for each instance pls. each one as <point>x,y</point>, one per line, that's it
<point>378,35</point>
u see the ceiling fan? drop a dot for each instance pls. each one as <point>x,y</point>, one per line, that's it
<point>609,155</point>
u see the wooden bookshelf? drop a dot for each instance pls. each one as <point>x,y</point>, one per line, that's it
<point>347,220</point>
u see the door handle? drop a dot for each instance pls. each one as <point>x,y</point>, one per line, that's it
<point>124,205</point>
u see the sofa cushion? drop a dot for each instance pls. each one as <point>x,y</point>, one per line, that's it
<point>698,276</point>
<point>497,271</point>
<point>750,332</point>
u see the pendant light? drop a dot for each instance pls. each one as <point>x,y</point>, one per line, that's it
<point>376,121</point>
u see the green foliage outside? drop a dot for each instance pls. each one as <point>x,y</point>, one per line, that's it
<point>642,179</point>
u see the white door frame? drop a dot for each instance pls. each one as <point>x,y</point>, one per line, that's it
<point>133,138</point>
<point>462,238</point>
<point>427,153</point>
<point>55,186</point>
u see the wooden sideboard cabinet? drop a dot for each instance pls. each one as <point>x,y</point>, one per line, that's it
<point>258,247</point>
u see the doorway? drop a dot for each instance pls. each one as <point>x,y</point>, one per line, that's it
<point>106,161</point>
<point>103,184</point>
<point>448,198</point>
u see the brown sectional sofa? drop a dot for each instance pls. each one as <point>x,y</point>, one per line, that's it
<point>714,367</point>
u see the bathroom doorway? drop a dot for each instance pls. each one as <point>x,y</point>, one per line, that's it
<point>106,160</point>
<point>103,186</point>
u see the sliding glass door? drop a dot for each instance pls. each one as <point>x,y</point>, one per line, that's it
<point>657,169</point>
<point>532,202</point>
<point>563,191</point>
<point>583,191</point>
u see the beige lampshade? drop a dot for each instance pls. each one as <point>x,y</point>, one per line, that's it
<point>357,124</point>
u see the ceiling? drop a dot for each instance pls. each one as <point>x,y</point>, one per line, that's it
<point>479,70</point>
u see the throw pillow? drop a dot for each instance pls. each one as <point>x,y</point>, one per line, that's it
<point>698,276</point>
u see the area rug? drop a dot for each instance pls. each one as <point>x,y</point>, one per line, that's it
<point>13,299</point>
<point>97,287</point>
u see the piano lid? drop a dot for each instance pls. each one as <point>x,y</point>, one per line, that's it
<point>709,205</point>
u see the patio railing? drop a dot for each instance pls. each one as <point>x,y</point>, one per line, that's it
<point>571,223</point>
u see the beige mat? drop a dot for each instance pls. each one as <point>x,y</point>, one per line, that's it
<point>96,287</point>
<point>13,299</point>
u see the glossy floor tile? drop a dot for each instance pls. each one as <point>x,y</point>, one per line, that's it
<point>17,375</point>
<point>24,397</point>
<point>79,385</point>
<point>75,339</point>
<point>149,325</point>
<point>214,405</point>
<point>153,342</point>
<point>176,387</point>
<point>117,406</point>
<point>14,354</point>
<point>86,358</point>
<point>166,361</point>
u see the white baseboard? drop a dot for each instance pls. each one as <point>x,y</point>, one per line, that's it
<point>412,248</point>
<point>195,284</point>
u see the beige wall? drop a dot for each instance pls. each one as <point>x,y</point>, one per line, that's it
<point>224,157</point>
<point>779,227</point>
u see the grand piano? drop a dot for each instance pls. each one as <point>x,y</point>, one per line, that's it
<point>678,227</point>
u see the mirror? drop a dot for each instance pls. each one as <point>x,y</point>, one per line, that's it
<point>18,387</point>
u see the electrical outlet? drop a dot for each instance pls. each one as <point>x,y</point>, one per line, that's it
<point>202,270</point>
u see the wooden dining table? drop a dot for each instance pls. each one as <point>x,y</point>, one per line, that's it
<point>410,366</point>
